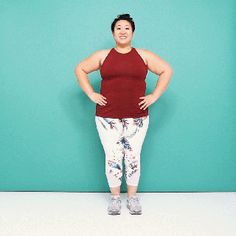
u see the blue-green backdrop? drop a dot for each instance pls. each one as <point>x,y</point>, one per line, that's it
<point>48,137</point>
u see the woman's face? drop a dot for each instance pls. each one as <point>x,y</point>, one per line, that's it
<point>123,32</point>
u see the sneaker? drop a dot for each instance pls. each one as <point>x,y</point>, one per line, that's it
<point>134,206</point>
<point>114,206</point>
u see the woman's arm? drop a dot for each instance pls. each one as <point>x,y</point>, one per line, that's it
<point>160,67</point>
<point>85,67</point>
<point>89,64</point>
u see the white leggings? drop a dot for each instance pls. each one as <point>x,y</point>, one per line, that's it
<point>122,138</point>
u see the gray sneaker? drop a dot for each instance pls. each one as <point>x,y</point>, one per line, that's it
<point>134,206</point>
<point>114,206</point>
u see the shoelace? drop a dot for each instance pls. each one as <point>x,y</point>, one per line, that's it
<point>134,201</point>
<point>114,202</point>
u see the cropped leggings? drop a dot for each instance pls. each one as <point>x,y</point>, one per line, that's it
<point>122,138</point>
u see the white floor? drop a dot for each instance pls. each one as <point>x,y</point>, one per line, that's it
<point>164,214</point>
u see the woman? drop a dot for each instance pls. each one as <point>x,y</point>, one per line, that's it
<point>122,117</point>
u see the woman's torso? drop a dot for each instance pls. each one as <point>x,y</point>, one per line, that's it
<point>123,83</point>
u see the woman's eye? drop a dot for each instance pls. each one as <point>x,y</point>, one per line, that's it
<point>125,28</point>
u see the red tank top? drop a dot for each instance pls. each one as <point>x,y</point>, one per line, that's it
<point>123,82</point>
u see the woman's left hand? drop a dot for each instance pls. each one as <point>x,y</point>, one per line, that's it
<point>147,101</point>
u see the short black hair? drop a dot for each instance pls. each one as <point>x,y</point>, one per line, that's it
<point>123,17</point>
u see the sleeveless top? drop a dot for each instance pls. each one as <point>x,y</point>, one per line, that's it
<point>123,82</point>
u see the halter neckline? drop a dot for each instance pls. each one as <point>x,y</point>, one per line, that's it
<point>124,53</point>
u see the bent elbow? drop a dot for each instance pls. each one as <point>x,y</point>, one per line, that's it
<point>170,70</point>
<point>77,68</point>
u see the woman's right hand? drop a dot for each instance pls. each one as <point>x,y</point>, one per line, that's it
<point>98,98</point>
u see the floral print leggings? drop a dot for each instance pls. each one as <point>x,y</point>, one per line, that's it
<point>122,138</point>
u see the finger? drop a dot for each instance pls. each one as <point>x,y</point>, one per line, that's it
<point>142,106</point>
<point>145,107</point>
<point>141,102</point>
<point>141,97</point>
<point>102,102</point>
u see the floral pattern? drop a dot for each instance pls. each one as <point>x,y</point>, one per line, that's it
<point>122,138</point>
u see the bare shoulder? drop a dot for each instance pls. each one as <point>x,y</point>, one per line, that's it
<point>100,56</point>
<point>142,53</point>
<point>100,53</point>
<point>104,52</point>
<point>145,52</point>
<point>155,63</point>
<point>93,61</point>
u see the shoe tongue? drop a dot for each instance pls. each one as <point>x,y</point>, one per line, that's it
<point>133,197</point>
<point>115,197</point>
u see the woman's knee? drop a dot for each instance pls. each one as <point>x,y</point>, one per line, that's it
<point>133,167</point>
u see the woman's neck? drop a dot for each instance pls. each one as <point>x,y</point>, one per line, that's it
<point>123,49</point>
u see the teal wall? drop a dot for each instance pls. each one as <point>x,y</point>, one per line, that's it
<point>48,136</point>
